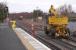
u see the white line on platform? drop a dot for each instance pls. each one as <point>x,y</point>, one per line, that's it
<point>34,42</point>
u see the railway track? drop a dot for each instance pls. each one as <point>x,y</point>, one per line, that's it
<point>63,44</point>
<point>47,43</point>
<point>55,44</point>
<point>71,42</point>
<point>67,44</point>
<point>73,39</point>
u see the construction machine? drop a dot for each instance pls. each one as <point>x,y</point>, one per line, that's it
<point>56,25</point>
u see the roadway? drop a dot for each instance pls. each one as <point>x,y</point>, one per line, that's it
<point>8,39</point>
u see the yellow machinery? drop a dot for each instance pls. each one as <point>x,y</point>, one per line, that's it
<point>57,25</point>
<point>13,24</point>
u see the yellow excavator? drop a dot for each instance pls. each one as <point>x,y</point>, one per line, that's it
<point>57,24</point>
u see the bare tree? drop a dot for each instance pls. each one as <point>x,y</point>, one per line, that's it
<point>3,11</point>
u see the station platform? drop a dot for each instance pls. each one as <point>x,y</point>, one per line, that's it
<point>18,39</point>
<point>28,41</point>
<point>9,39</point>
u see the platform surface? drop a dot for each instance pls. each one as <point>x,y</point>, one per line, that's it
<point>9,39</point>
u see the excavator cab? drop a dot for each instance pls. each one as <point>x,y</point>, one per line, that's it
<point>52,11</point>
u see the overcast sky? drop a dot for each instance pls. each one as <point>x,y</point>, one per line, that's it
<point>30,5</point>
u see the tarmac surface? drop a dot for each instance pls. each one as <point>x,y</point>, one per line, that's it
<point>9,39</point>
